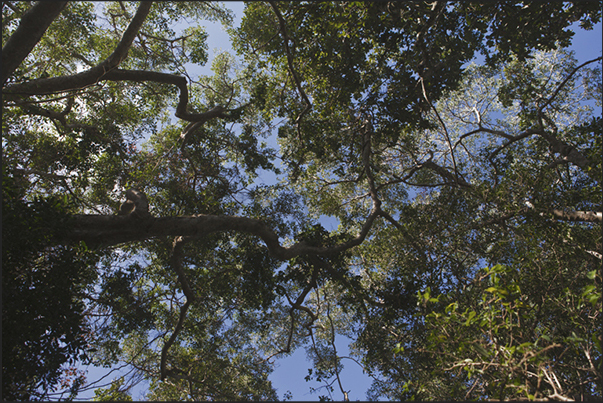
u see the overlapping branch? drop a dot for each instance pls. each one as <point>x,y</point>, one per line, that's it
<point>562,84</point>
<point>568,152</point>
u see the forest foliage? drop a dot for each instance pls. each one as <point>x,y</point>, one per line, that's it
<point>436,199</point>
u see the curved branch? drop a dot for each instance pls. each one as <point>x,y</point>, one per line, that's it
<point>482,129</point>
<point>32,109</point>
<point>298,305</point>
<point>64,84</point>
<point>569,153</point>
<point>168,344</point>
<point>32,27</point>
<point>512,140</point>
<point>177,256</point>
<point>92,75</point>
<point>443,172</point>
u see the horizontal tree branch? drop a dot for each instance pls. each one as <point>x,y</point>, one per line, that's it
<point>81,80</point>
<point>582,216</point>
<point>103,230</point>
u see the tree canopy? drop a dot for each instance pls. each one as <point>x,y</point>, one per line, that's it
<point>456,147</point>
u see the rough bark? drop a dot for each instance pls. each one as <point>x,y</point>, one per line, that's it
<point>32,27</point>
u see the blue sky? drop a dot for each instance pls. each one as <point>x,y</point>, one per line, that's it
<point>290,371</point>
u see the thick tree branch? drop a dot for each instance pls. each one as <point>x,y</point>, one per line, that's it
<point>177,257</point>
<point>165,78</point>
<point>582,216</point>
<point>32,27</point>
<point>103,231</point>
<point>443,172</point>
<point>568,152</point>
<point>63,84</point>
<point>60,116</point>
<point>92,75</point>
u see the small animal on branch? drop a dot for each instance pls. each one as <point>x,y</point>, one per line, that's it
<point>136,204</point>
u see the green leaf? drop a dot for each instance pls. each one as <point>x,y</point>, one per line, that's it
<point>470,317</point>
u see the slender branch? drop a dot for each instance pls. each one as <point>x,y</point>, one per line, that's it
<point>345,393</point>
<point>302,93</point>
<point>482,129</point>
<point>548,102</point>
<point>456,173</point>
<point>298,305</point>
<point>176,263</point>
<point>168,344</point>
<point>514,139</point>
